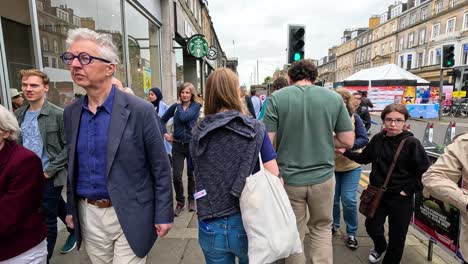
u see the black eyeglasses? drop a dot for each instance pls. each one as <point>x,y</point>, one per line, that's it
<point>84,58</point>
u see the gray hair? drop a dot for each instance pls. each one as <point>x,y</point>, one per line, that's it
<point>8,123</point>
<point>107,48</point>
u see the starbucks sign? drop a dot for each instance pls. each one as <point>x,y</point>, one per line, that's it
<point>197,46</point>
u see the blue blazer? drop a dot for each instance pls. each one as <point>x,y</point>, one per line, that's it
<point>138,170</point>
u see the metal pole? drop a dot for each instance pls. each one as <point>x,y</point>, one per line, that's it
<point>257,73</point>
<point>430,250</point>
<point>441,84</point>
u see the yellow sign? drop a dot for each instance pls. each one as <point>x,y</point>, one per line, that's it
<point>459,94</point>
<point>146,79</point>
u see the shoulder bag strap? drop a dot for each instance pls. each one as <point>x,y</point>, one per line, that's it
<point>390,171</point>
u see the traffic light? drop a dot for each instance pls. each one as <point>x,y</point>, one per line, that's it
<point>296,37</point>
<point>448,56</point>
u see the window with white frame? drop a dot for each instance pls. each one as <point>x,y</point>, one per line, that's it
<point>368,55</point>
<point>390,47</point>
<point>357,58</point>
<point>465,21</point>
<point>62,14</point>
<point>370,38</point>
<point>431,57</point>
<point>451,3</point>
<point>438,56</point>
<point>423,13</point>
<point>45,61</point>
<point>400,45</point>
<point>417,2</point>
<point>422,36</point>
<point>438,7</point>
<point>465,54</point>
<point>409,60</point>
<point>54,63</point>
<point>76,21</point>
<point>363,55</point>
<point>413,18</point>
<point>376,51</point>
<point>383,49</point>
<point>358,43</point>
<point>411,40</point>
<point>45,44</point>
<point>56,49</point>
<point>364,40</point>
<point>419,62</point>
<point>403,22</point>
<point>394,28</point>
<point>402,61</point>
<point>451,25</point>
<point>435,30</point>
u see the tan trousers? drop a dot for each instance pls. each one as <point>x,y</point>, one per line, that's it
<point>318,201</point>
<point>103,237</point>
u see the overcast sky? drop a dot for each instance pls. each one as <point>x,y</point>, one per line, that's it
<point>258,28</point>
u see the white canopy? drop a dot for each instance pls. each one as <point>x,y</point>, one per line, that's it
<point>385,72</point>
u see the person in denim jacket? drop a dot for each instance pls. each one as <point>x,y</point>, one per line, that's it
<point>185,113</point>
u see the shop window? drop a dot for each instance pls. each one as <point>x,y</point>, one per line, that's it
<point>103,17</point>
<point>144,51</point>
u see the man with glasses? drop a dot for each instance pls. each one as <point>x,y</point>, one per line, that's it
<point>42,132</point>
<point>120,189</point>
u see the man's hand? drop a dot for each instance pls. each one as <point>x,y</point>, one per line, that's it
<point>403,193</point>
<point>168,137</point>
<point>69,221</point>
<point>162,229</point>
<point>46,175</point>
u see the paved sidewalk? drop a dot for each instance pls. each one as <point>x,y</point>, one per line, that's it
<point>181,247</point>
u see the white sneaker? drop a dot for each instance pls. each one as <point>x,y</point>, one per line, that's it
<point>375,257</point>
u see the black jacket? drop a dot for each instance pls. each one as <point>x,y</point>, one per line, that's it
<point>411,164</point>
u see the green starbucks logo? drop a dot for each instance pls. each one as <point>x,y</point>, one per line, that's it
<point>197,46</point>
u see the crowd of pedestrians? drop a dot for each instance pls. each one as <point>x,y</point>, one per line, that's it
<point>120,160</point>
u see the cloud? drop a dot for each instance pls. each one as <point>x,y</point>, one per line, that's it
<point>259,28</point>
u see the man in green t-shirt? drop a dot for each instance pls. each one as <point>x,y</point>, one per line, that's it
<point>308,123</point>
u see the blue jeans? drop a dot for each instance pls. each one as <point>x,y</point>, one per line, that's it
<point>346,189</point>
<point>223,239</point>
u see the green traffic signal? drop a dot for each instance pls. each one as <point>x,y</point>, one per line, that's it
<point>297,56</point>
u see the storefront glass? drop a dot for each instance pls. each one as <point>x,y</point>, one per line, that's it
<point>144,52</point>
<point>55,18</point>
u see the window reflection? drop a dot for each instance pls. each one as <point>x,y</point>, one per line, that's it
<point>143,48</point>
<point>55,18</point>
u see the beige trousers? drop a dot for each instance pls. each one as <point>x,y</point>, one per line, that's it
<point>103,237</point>
<point>316,199</point>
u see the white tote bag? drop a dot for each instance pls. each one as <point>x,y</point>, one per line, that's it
<point>268,219</point>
